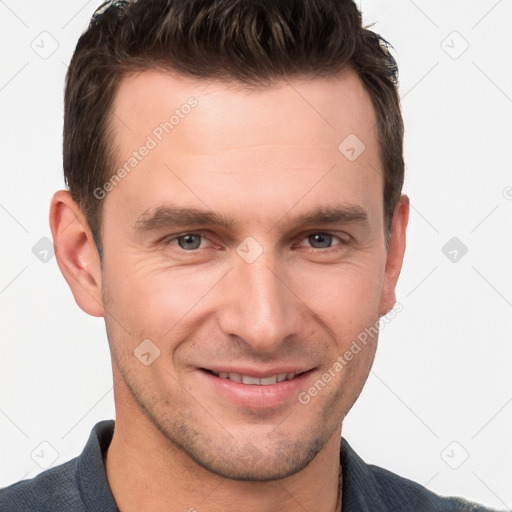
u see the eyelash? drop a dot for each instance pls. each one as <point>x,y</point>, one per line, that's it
<point>342,243</point>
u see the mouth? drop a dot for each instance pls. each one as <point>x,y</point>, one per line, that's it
<point>266,380</point>
<point>251,389</point>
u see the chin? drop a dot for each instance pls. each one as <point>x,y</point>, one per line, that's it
<point>246,462</point>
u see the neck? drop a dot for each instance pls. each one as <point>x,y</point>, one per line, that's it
<point>147,472</point>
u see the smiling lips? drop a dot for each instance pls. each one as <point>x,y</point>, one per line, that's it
<point>251,388</point>
<point>258,381</point>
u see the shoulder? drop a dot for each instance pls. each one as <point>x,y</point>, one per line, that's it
<point>52,489</point>
<point>395,489</point>
<point>370,487</point>
<point>78,485</point>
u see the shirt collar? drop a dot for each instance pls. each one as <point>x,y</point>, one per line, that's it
<point>90,471</point>
<point>360,489</point>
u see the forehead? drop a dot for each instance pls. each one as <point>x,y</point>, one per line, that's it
<point>210,140</point>
<point>330,107</point>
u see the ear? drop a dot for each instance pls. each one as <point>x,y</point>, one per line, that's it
<point>395,255</point>
<point>76,252</point>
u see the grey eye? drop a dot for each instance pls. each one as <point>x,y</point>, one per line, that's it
<point>187,241</point>
<point>322,239</point>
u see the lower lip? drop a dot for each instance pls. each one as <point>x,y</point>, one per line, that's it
<point>253,396</point>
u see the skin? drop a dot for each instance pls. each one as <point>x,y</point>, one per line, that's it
<point>260,157</point>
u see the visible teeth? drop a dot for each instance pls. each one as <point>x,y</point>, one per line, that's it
<point>250,380</point>
<point>255,381</point>
<point>268,380</point>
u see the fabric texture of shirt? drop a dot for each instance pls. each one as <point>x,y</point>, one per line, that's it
<point>81,485</point>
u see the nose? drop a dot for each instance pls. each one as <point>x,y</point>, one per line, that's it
<point>260,307</point>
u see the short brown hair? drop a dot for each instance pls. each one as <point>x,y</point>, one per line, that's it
<point>253,42</point>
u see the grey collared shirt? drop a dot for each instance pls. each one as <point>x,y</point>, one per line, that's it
<point>81,485</point>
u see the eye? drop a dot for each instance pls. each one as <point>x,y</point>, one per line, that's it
<point>188,241</point>
<point>320,240</point>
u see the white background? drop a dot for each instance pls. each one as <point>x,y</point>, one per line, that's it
<point>440,388</point>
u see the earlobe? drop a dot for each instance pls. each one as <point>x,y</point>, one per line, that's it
<point>395,255</point>
<point>76,252</point>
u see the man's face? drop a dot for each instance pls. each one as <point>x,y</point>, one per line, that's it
<point>265,296</point>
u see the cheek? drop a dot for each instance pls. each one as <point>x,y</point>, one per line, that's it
<point>346,298</point>
<point>154,299</point>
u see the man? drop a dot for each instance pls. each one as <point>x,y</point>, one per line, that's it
<point>235,214</point>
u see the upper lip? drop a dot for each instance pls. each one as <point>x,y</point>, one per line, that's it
<point>259,372</point>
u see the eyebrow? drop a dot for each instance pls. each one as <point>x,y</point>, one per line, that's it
<point>170,215</point>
